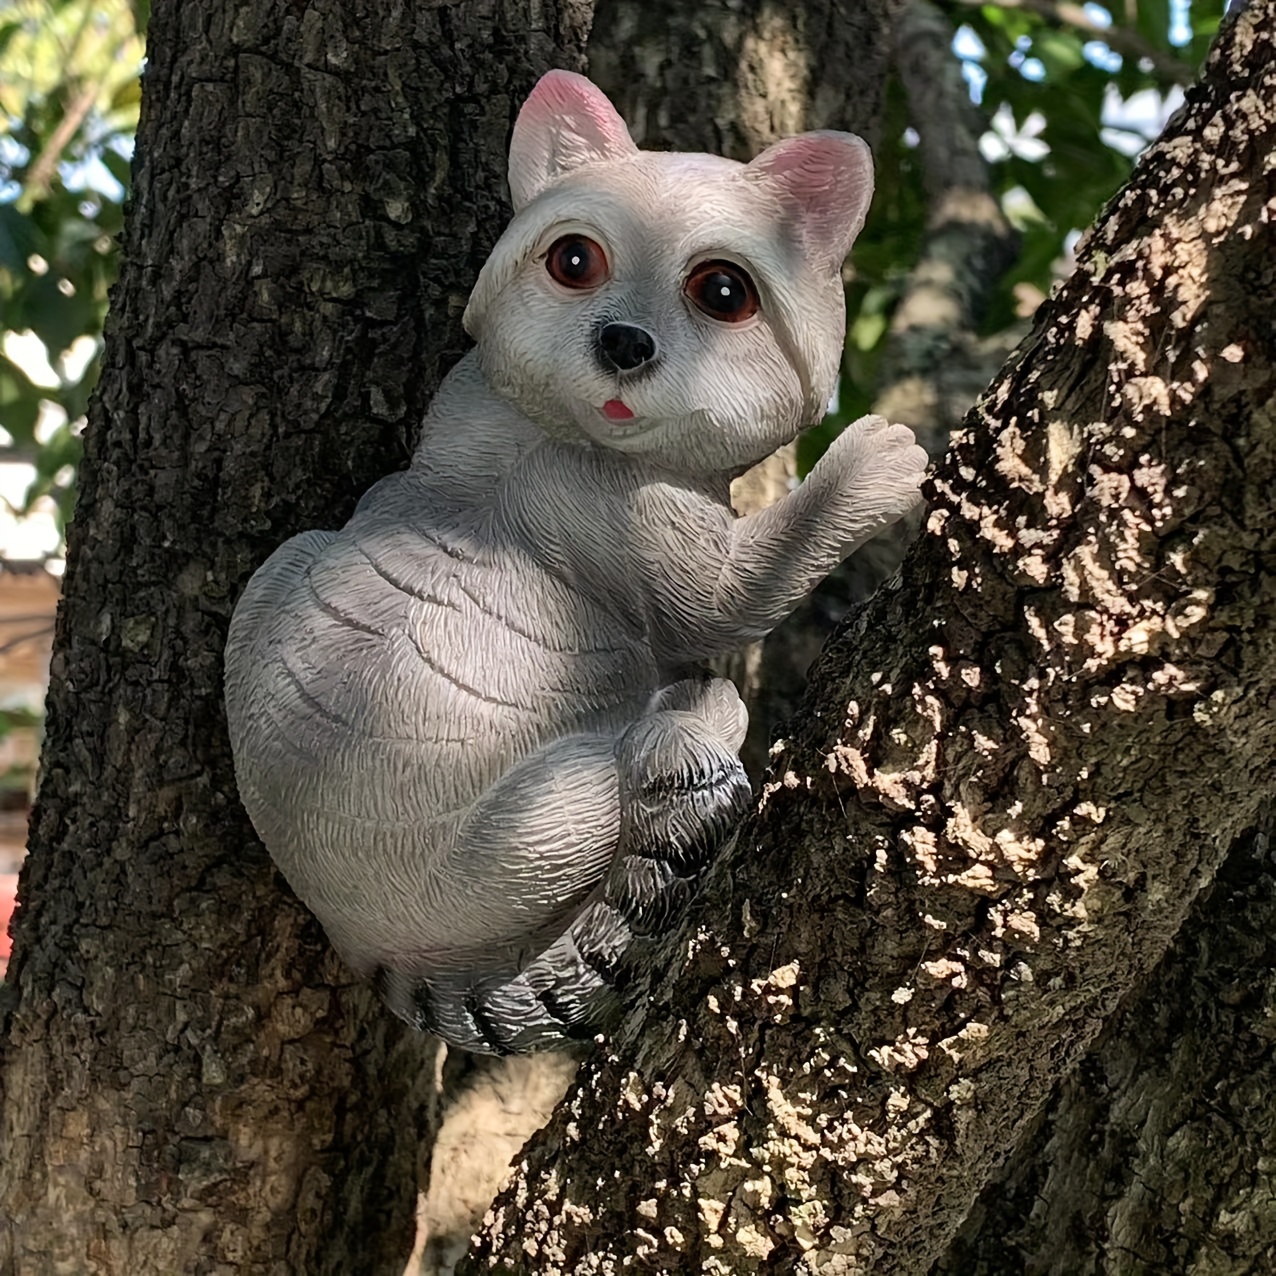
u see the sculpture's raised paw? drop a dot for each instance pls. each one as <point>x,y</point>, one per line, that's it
<point>887,451</point>
<point>875,469</point>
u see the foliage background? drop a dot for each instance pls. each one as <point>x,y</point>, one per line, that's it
<point>68,112</point>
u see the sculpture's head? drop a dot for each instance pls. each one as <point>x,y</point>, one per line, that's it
<point>686,308</point>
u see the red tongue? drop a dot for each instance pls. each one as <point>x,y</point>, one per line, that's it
<point>614,410</point>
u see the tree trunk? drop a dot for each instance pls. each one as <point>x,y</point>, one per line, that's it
<point>190,1083</point>
<point>1018,770</point>
<point>1156,1154</point>
<point>733,76</point>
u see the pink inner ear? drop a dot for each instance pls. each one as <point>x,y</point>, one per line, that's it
<point>829,177</point>
<point>564,100</point>
<point>565,122</point>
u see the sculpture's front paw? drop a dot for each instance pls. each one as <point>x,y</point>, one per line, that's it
<point>872,474</point>
<point>886,451</point>
<point>715,701</point>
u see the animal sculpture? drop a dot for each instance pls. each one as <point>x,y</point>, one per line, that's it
<point>470,726</point>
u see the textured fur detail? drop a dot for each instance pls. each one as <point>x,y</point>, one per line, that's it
<point>461,724</point>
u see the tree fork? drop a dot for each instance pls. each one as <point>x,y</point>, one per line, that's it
<point>1016,771</point>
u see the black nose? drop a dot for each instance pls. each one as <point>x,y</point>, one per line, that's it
<point>625,347</point>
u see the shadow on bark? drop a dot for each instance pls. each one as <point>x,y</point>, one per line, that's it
<point>1158,1155</point>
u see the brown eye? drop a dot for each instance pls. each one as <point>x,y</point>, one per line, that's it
<point>722,291</point>
<point>576,262</point>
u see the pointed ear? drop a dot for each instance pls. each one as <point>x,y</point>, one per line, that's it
<point>565,122</point>
<point>826,180</point>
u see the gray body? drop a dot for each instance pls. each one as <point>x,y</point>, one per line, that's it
<point>467,725</point>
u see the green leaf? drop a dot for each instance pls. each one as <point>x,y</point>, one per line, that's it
<point>128,95</point>
<point>1152,21</point>
<point>1059,51</point>
<point>61,449</point>
<point>56,318</point>
<point>19,239</point>
<point>7,31</point>
<point>120,168</point>
<point>867,331</point>
<point>19,403</point>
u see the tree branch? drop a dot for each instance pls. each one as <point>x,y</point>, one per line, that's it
<point>41,172</point>
<point>934,365</point>
<point>1017,771</point>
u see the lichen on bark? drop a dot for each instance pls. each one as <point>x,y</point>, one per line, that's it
<point>1155,1154</point>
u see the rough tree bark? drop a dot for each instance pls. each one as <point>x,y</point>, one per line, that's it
<point>190,1085</point>
<point>1017,771</point>
<point>732,76</point>
<point>1156,1154</point>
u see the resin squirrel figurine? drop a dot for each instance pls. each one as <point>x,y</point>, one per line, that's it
<point>468,726</point>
